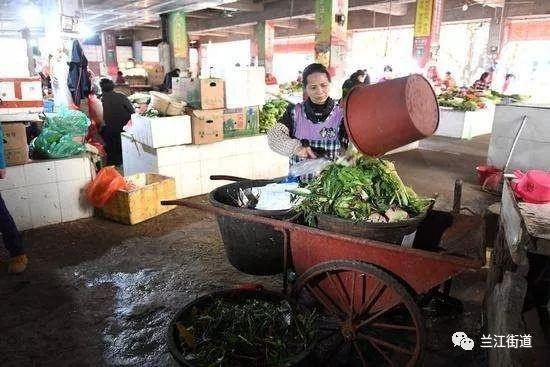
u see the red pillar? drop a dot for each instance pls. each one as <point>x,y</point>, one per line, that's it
<point>108,47</point>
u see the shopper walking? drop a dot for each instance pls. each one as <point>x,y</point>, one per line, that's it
<point>117,111</point>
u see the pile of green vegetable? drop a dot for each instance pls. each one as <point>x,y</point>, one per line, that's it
<point>271,112</point>
<point>151,112</point>
<point>247,333</point>
<point>497,97</point>
<point>363,189</point>
<point>461,99</point>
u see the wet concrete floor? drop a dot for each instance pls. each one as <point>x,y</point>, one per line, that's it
<point>100,293</point>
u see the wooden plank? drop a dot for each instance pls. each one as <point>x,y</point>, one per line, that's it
<point>510,218</point>
<point>537,219</point>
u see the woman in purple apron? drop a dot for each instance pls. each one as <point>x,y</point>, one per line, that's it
<point>313,128</point>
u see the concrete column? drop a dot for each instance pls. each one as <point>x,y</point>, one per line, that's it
<point>177,37</point>
<point>494,43</point>
<point>265,41</point>
<point>427,25</point>
<point>331,24</point>
<point>165,58</point>
<point>31,64</point>
<point>137,50</point>
<point>108,48</point>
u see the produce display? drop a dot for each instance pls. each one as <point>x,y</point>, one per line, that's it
<point>461,99</point>
<point>271,112</point>
<point>62,135</point>
<point>360,188</point>
<point>291,87</point>
<point>253,332</point>
<point>151,112</point>
<point>497,97</point>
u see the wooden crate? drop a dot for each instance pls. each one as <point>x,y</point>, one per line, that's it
<point>142,203</point>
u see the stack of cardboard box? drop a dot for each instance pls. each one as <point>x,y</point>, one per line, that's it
<point>244,93</point>
<point>205,98</point>
<point>16,150</point>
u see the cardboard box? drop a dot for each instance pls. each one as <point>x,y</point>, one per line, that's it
<point>204,94</point>
<point>158,132</point>
<point>16,150</point>
<point>239,122</point>
<point>207,125</point>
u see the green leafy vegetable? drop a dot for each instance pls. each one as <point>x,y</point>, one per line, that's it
<point>249,333</point>
<point>271,112</point>
<point>359,190</point>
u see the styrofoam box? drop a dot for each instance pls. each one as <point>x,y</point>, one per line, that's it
<point>47,192</point>
<point>192,165</point>
<point>244,87</point>
<point>465,124</point>
<point>158,132</point>
<point>533,147</point>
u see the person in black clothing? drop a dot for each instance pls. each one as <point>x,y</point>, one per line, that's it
<point>358,77</point>
<point>117,111</point>
<point>167,84</point>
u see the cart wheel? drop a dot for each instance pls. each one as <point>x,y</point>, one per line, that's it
<point>369,318</point>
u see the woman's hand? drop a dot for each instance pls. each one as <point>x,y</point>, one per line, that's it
<point>305,152</point>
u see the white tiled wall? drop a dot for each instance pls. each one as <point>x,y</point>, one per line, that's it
<point>533,147</point>
<point>47,192</point>
<point>192,165</point>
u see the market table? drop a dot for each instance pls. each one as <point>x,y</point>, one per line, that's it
<point>516,281</point>
<point>465,124</point>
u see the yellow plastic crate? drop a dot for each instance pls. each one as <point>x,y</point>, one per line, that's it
<point>143,202</point>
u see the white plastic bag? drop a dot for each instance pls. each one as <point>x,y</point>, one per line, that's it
<point>309,166</point>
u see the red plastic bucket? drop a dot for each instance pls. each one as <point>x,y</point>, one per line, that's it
<point>484,172</point>
<point>388,115</point>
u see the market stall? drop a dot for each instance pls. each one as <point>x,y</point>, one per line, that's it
<point>216,133</point>
<point>518,287</point>
<point>48,188</point>
<point>464,114</point>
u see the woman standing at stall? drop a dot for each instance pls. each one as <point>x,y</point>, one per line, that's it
<point>117,111</point>
<point>313,128</point>
<point>484,82</point>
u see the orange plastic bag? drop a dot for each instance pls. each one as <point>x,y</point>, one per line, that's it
<point>107,182</point>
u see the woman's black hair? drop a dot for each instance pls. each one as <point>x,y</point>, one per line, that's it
<point>484,75</point>
<point>314,68</point>
<point>357,74</point>
<point>508,76</point>
<point>106,85</point>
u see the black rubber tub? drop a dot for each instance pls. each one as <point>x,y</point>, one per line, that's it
<point>253,248</point>
<point>383,232</point>
<point>235,295</point>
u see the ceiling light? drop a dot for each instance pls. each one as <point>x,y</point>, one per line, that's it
<point>85,31</point>
<point>465,7</point>
<point>31,15</point>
